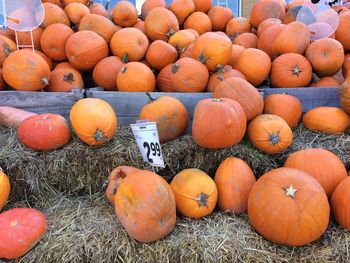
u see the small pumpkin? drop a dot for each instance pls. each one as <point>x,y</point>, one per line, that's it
<point>54,14</point>
<point>286,196</point>
<point>5,188</point>
<point>237,26</point>
<point>265,9</point>
<point>236,52</point>
<point>98,9</point>
<point>93,120</point>
<point>124,14</point>
<point>181,39</point>
<point>7,46</point>
<point>266,24</point>
<point>218,123</point>
<point>44,132</point>
<point>12,117</point>
<point>145,206</point>
<point>344,91</point>
<point>148,5</point>
<point>340,203</point>
<point>182,9</point>
<point>247,40</point>
<point>323,165</point>
<point>76,11</point>
<point>160,54</point>
<point>115,178</point>
<point>105,72</point>
<point>234,179</point>
<point>64,80</point>
<point>198,21</point>
<point>195,193</point>
<point>346,66</point>
<point>224,73</point>
<point>342,31</point>
<point>270,133</point>
<point>324,82</point>
<point>219,17</point>
<point>267,37</point>
<point>329,120</point>
<point>21,230</point>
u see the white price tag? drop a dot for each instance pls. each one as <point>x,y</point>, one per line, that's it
<point>146,135</point>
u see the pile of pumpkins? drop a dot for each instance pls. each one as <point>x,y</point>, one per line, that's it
<point>189,46</point>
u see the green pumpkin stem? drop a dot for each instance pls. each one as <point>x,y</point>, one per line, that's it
<point>99,136</point>
<point>69,77</point>
<point>274,138</point>
<point>45,81</point>
<point>125,58</point>
<point>174,68</point>
<point>296,70</point>
<point>202,199</point>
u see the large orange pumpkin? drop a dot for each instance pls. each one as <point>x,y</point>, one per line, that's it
<point>85,49</point>
<point>54,14</point>
<point>342,32</point>
<point>244,93</point>
<point>145,206</point>
<point>290,70</point>
<point>64,80</point>
<point>195,193</point>
<point>216,78</point>
<point>160,54</point>
<point>329,120</point>
<point>219,17</point>
<point>105,72</point>
<point>182,9</point>
<point>124,14</point>
<point>26,70</point>
<point>161,24</point>
<point>76,11</point>
<point>4,189</point>
<point>237,26</point>
<point>288,197</point>
<point>218,123</point>
<point>323,165</point>
<point>198,21</point>
<point>255,65</point>
<point>93,120</point>
<point>265,9</point>
<point>234,180</point>
<point>148,5</point>
<point>170,115</point>
<point>7,46</point>
<point>267,37</point>
<point>344,92</point>
<point>286,106</point>
<point>270,133</point>
<point>340,203</point>
<point>185,75</point>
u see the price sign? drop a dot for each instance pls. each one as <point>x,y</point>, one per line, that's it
<point>146,135</point>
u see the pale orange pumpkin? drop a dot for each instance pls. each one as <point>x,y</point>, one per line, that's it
<point>247,40</point>
<point>124,14</point>
<point>237,26</point>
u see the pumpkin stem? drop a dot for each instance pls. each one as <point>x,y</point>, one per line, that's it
<point>183,49</point>
<point>69,77</point>
<point>123,70</point>
<point>296,70</point>
<point>216,100</point>
<point>274,138</point>
<point>174,68</point>
<point>202,199</point>
<point>1,170</point>
<point>7,51</point>
<point>99,136</point>
<point>202,58</point>
<point>150,97</point>
<point>290,191</point>
<point>170,32</point>
<point>315,78</point>
<point>45,81</point>
<point>125,58</point>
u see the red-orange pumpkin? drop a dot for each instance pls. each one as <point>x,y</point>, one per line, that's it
<point>105,72</point>
<point>340,203</point>
<point>265,9</point>
<point>216,78</point>
<point>203,5</point>
<point>267,37</point>
<point>198,21</point>
<point>247,40</point>
<point>124,14</point>
<point>342,32</point>
<point>182,9</point>
<point>267,23</point>
<point>324,82</point>
<point>219,17</point>
<point>64,80</point>
<point>4,189</point>
<point>160,54</point>
<point>148,5</point>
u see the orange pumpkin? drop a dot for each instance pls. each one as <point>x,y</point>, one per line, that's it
<point>286,106</point>
<point>216,78</point>
<point>329,120</point>
<point>64,80</point>
<point>218,123</point>
<point>53,41</point>
<point>64,65</point>
<point>198,21</point>
<point>291,14</point>
<point>194,32</point>
<point>98,9</point>
<point>290,70</point>
<point>24,38</point>
<point>267,37</point>
<point>203,5</point>
<point>170,115</point>
<point>67,2</point>
<point>340,203</point>
<point>185,75</point>
<point>323,165</point>
<point>344,92</point>
<point>161,24</point>
<point>129,44</point>
<point>54,14</point>
<point>346,67</point>
<point>7,46</point>
<point>237,26</point>
<point>76,11</point>
<point>148,5</point>
<point>219,17</point>
<point>140,25</point>
<point>255,65</point>
<point>85,49</point>
<point>41,54</point>
<point>182,9</point>
<point>2,82</point>
<point>234,180</point>
<point>145,206</point>
<point>267,23</point>
<point>195,193</point>
<point>324,82</point>
<point>124,14</point>
<point>340,9</point>
<point>244,93</point>
<point>115,178</point>
<point>4,189</point>
<point>126,80</point>
<point>93,120</point>
<point>9,33</point>
<point>270,133</point>
<point>236,52</point>
<point>105,72</point>
<point>160,54</point>
<point>288,197</point>
<point>26,70</point>
<point>247,40</point>
<point>213,50</point>
<point>181,39</point>
<point>265,9</point>
<point>342,32</point>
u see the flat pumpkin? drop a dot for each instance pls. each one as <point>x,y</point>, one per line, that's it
<point>340,203</point>
<point>4,188</point>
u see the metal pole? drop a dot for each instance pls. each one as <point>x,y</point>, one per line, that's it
<point>4,13</point>
<point>240,8</point>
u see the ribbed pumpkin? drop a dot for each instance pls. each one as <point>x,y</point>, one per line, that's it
<point>160,54</point>
<point>98,9</point>
<point>105,72</point>
<point>64,80</point>
<point>115,178</point>
<point>7,46</point>
<point>44,132</point>
<point>148,5</point>
<point>244,93</point>
<point>247,40</point>
<point>198,21</point>
<point>181,39</point>
<point>265,9</point>
<point>267,37</point>
<point>54,14</point>
<point>53,41</point>
<point>323,165</point>
<point>85,49</point>
<point>326,56</point>
<point>344,91</point>
<point>161,24</point>
<point>294,38</point>
<point>288,197</point>
<point>185,75</point>
<point>329,120</point>
<point>203,5</point>
<point>127,80</point>
<point>236,26</point>
<point>24,38</point>
<point>270,133</point>
<point>346,67</point>
<point>5,188</point>
<point>145,206</point>
<point>324,82</point>
<point>219,17</point>
<point>182,9</point>
<point>236,52</point>
<point>255,65</point>
<point>124,14</point>
<point>266,24</point>
<point>195,193</point>
<point>290,70</point>
<point>213,50</point>
<point>340,203</point>
<point>218,123</point>
<point>216,78</point>
<point>129,44</point>
<point>93,120</point>
<point>286,106</point>
<point>100,25</point>
<point>26,70</point>
<point>342,32</point>
<point>234,180</point>
<point>43,55</point>
<point>76,11</point>
<point>170,115</point>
